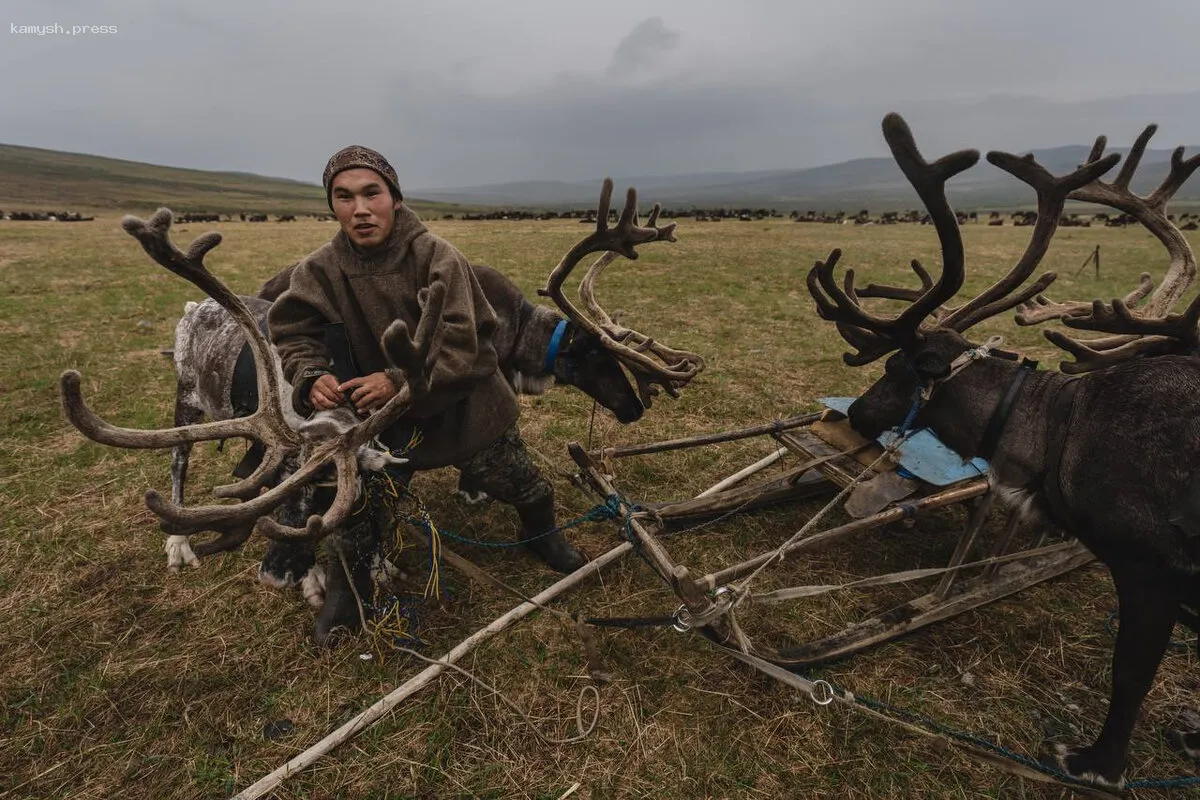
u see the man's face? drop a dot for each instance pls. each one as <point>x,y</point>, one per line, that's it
<point>364,207</point>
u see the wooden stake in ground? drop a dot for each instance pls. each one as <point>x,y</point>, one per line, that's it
<point>1094,256</point>
<point>381,707</point>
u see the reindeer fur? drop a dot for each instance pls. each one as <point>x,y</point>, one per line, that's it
<point>208,341</point>
<point>1129,478</point>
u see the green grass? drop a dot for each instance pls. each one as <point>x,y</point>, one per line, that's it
<point>119,679</point>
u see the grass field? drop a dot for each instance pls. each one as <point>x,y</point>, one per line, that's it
<point>119,679</point>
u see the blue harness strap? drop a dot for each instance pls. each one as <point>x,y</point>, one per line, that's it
<point>917,402</point>
<point>555,342</point>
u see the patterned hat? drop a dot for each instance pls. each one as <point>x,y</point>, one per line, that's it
<point>358,157</point>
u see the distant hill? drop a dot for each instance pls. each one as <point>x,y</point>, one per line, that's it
<point>34,179</point>
<point>873,183</point>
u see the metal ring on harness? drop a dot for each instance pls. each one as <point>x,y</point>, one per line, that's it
<point>826,692</point>
<point>682,623</point>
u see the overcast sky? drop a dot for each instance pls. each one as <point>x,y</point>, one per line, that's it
<point>461,93</point>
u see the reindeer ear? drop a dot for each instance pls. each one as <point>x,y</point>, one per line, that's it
<point>931,366</point>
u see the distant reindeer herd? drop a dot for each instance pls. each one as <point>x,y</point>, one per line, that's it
<point>44,216</point>
<point>1189,221</point>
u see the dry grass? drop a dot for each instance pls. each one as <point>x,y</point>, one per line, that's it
<point>120,679</point>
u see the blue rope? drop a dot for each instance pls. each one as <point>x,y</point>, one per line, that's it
<point>1011,755</point>
<point>609,509</point>
<point>913,410</point>
<point>552,350</point>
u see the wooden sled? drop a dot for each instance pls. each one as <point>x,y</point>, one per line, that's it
<point>833,459</point>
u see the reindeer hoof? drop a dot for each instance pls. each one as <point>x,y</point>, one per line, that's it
<point>1084,765</point>
<point>286,565</point>
<point>338,620</point>
<point>313,586</point>
<point>179,553</point>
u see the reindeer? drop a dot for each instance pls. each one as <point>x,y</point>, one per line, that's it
<point>295,455</point>
<point>336,438</point>
<point>1107,453</point>
<point>214,370</point>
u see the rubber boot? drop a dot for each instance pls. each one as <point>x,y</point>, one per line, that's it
<point>554,549</point>
<point>340,615</point>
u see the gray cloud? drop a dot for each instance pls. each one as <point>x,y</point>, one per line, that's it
<point>464,93</point>
<point>642,47</point>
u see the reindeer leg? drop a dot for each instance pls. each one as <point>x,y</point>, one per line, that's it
<point>1149,604</point>
<point>187,412</point>
<point>288,564</point>
<point>349,585</point>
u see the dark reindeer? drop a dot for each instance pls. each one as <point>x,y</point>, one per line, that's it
<point>294,455</point>
<point>1110,456</point>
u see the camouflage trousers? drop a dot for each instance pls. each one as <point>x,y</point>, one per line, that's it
<point>504,470</point>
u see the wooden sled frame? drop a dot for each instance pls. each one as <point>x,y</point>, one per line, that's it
<point>825,468</point>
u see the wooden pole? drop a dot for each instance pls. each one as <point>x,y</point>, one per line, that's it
<point>384,705</point>
<point>894,514</point>
<point>710,438</point>
<point>1093,256</point>
<point>737,477</point>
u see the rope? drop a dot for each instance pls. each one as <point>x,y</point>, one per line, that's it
<point>592,423</point>
<point>906,576</point>
<point>582,731</point>
<point>830,691</point>
<point>598,513</point>
<point>631,622</point>
<point>986,744</point>
<point>391,621</point>
<point>741,591</point>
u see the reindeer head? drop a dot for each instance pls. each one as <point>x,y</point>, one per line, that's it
<point>907,376</point>
<point>585,363</point>
<point>928,336</point>
<point>600,346</point>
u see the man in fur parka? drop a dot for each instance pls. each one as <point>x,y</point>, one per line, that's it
<point>374,271</point>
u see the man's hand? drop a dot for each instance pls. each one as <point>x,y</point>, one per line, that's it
<point>325,394</point>
<point>370,391</point>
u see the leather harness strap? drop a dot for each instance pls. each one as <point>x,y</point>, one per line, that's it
<point>998,422</point>
<point>1051,478</point>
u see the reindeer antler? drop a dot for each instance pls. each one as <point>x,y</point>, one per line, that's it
<point>1052,192</point>
<point>1041,308</point>
<point>1153,330</point>
<point>649,361</point>
<point>267,424</point>
<point>873,336</point>
<point>411,356</point>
